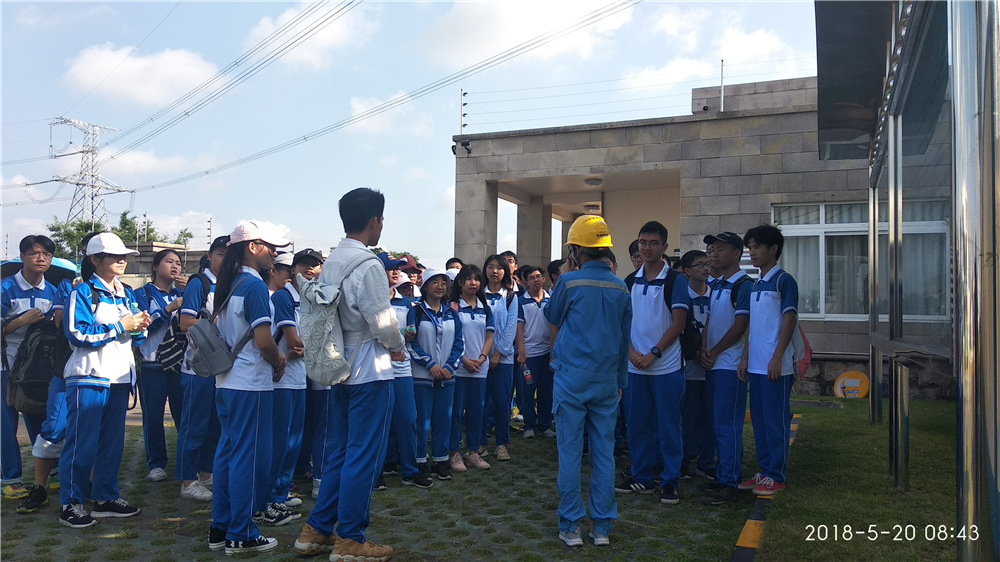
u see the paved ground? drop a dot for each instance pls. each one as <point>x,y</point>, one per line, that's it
<point>506,513</point>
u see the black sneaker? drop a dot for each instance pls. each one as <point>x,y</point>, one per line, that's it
<point>711,487</point>
<point>630,485</point>
<point>669,495</point>
<point>380,485</point>
<point>75,516</point>
<point>441,470</point>
<point>114,508</point>
<point>720,496</point>
<point>390,469</point>
<point>419,480</point>
<point>270,516</point>
<point>710,473</point>
<point>424,468</point>
<point>37,497</point>
<point>216,538</point>
<point>259,544</point>
<point>685,472</point>
<point>278,506</point>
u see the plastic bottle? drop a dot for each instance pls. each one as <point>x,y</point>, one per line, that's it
<point>527,374</point>
<point>133,309</point>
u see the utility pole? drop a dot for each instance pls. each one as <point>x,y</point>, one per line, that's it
<point>210,232</point>
<point>88,198</point>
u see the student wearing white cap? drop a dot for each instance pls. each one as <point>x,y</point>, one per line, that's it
<point>244,395</point>
<point>102,328</point>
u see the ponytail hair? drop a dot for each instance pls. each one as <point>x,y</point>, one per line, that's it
<point>232,265</point>
<point>87,268</point>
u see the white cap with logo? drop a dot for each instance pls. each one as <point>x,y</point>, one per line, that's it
<point>108,243</point>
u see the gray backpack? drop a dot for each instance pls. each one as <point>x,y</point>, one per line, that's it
<point>210,354</point>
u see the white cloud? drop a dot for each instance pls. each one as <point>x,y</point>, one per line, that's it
<point>402,119</point>
<point>388,161</point>
<point>473,31</point>
<point>446,204</point>
<point>316,52</point>
<point>684,26</point>
<point>507,241</point>
<point>28,226</point>
<point>34,16</point>
<point>416,174</point>
<point>143,163</point>
<point>194,221</point>
<point>151,80</point>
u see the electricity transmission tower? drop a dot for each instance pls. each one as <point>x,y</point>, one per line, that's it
<point>88,198</point>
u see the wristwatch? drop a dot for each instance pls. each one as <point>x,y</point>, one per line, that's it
<point>656,352</point>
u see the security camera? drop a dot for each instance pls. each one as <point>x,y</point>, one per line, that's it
<point>704,108</point>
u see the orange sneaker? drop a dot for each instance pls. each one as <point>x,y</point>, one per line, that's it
<point>311,542</point>
<point>347,550</point>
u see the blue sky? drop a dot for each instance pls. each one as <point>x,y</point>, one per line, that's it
<point>118,64</point>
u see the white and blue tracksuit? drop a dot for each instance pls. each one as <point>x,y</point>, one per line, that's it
<point>99,377</point>
<point>155,385</point>
<point>49,443</point>
<point>773,296</point>
<point>244,398</point>
<point>536,350</point>
<point>699,433</point>
<point>289,397</point>
<point>438,342</point>
<point>402,447</point>
<point>500,379</point>
<point>198,434</point>
<point>17,297</point>
<point>656,394</point>
<point>729,393</point>
<point>593,312</point>
<point>470,388</point>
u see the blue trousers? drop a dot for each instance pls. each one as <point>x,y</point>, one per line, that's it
<point>10,451</point>
<point>729,407</point>
<point>242,473</point>
<point>286,440</point>
<point>198,434</point>
<point>496,407</point>
<point>470,395</point>
<point>48,444</point>
<point>155,388</point>
<point>699,433</point>
<point>434,404</point>
<point>313,449</point>
<point>654,426</point>
<point>95,440</point>
<point>538,393</point>
<point>402,446</point>
<point>355,453</point>
<point>770,414</point>
<point>578,406</point>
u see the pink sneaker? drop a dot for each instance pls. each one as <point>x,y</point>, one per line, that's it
<point>475,461</point>
<point>751,483</point>
<point>767,487</point>
<point>456,462</point>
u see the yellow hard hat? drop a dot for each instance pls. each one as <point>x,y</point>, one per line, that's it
<point>589,231</point>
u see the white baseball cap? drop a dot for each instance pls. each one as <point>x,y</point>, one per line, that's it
<point>430,273</point>
<point>248,231</point>
<point>284,258</point>
<point>108,243</point>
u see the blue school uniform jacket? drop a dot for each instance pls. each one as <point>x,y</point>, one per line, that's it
<point>439,341</point>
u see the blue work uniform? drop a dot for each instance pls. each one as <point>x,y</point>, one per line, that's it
<point>592,310</point>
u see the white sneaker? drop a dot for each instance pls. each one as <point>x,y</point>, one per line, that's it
<point>549,433</point>
<point>529,433</point>
<point>196,491</point>
<point>157,475</point>
<point>207,483</point>
<point>315,490</point>
<point>292,501</point>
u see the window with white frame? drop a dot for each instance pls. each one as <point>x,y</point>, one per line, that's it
<point>826,250</point>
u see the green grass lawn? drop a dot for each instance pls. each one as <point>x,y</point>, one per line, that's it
<point>839,475</point>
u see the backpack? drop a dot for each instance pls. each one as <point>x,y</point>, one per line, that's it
<point>801,350</point>
<point>170,353</point>
<point>690,337</point>
<point>320,329</point>
<point>735,289</point>
<point>211,355</point>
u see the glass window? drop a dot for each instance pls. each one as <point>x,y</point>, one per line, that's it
<point>847,213</point>
<point>796,214</point>
<point>801,258</point>
<point>847,274</point>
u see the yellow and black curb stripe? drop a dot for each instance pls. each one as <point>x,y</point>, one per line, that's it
<point>749,541</point>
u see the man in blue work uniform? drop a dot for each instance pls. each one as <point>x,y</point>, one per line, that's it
<point>591,316</point>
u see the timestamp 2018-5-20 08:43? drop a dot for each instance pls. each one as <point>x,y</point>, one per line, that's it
<point>898,532</point>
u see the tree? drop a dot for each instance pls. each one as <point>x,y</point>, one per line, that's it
<point>398,255</point>
<point>183,237</point>
<point>67,237</point>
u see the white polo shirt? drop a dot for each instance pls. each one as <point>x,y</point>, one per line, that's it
<point>248,307</point>
<point>722,315</point>
<point>772,296</point>
<point>536,328</point>
<point>476,323</point>
<point>286,313</point>
<point>651,319</point>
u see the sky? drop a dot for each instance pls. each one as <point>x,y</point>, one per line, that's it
<point>164,76</point>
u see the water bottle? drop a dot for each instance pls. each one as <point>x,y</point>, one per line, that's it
<point>527,375</point>
<point>133,309</point>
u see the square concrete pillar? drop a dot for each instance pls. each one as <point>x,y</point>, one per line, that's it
<point>534,233</point>
<point>475,220</point>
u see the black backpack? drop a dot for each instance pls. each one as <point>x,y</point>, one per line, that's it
<point>170,353</point>
<point>43,352</point>
<point>690,337</point>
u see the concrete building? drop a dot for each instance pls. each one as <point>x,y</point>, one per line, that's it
<point>740,160</point>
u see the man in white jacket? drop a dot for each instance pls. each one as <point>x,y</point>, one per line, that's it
<point>360,406</point>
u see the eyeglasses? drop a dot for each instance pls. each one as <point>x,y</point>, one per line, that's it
<point>702,264</point>
<point>33,255</point>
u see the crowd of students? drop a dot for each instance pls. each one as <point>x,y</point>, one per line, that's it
<point>478,342</point>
